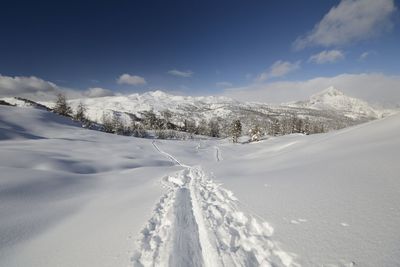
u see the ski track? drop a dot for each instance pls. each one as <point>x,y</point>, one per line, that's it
<point>218,155</point>
<point>199,223</point>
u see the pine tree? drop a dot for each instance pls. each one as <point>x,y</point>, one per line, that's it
<point>236,130</point>
<point>214,128</point>
<point>255,133</point>
<point>306,126</point>
<point>80,114</point>
<point>118,125</point>
<point>149,119</point>
<point>62,106</point>
<point>108,125</point>
<point>189,126</point>
<point>137,129</point>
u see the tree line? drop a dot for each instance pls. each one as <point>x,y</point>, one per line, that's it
<point>162,126</point>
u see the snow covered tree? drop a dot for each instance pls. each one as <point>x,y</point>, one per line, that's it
<point>61,107</point>
<point>189,126</point>
<point>236,130</point>
<point>149,119</point>
<point>214,128</point>
<point>107,122</point>
<point>137,129</point>
<point>255,133</point>
<point>118,125</point>
<point>202,128</point>
<point>273,127</point>
<point>306,126</point>
<point>80,114</point>
<point>167,115</point>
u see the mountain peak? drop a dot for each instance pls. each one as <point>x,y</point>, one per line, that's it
<point>158,93</point>
<point>333,99</point>
<point>330,91</point>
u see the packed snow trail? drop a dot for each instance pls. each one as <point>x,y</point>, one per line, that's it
<point>198,223</point>
<point>186,249</point>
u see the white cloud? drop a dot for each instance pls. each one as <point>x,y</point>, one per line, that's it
<point>37,89</point>
<point>278,69</point>
<point>17,85</point>
<point>327,56</point>
<point>350,21</point>
<point>372,87</point>
<point>366,55</point>
<point>98,92</point>
<point>223,84</point>
<point>131,79</point>
<point>185,74</point>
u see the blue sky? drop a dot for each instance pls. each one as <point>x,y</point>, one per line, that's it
<point>196,47</point>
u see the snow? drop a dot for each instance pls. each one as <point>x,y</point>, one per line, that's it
<point>332,199</point>
<point>76,197</point>
<point>71,196</point>
<point>330,104</point>
<point>198,223</point>
<point>333,99</point>
<point>15,101</point>
<point>158,101</point>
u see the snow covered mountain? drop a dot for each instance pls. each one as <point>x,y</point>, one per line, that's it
<point>158,101</point>
<point>330,108</point>
<point>333,99</point>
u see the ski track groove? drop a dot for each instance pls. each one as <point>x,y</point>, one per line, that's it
<point>199,223</point>
<point>218,156</point>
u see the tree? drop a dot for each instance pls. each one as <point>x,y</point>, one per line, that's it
<point>62,106</point>
<point>137,129</point>
<point>80,114</point>
<point>167,115</point>
<point>189,126</point>
<point>306,126</point>
<point>273,127</point>
<point>108,125</point>
<point>236,130</point>
<point>202,128</point>
<point>255,133</point>
<point>118,125</point>
<point>149,119</point>
<point>214,128</point>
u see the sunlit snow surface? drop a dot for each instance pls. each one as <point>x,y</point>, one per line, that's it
<point>76,197</point>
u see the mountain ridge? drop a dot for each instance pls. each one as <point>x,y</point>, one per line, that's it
<point>329,109</point>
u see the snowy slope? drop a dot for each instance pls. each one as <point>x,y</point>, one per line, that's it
<point>333,99</point>
<point>332,199</point>
<point>71,196</point>
<point>76,197</point>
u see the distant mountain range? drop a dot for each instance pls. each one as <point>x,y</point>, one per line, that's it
<point>331,108</point>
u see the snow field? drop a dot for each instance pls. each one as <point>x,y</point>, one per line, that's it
<point>75,197</point>
<point>199,223</point>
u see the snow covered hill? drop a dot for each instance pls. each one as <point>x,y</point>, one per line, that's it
<point>75,197</point>
<point>71,196</point>
<point>333,99</point>
<point>332,199</point>
<point>197,107</point>
<point>331,109</point>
